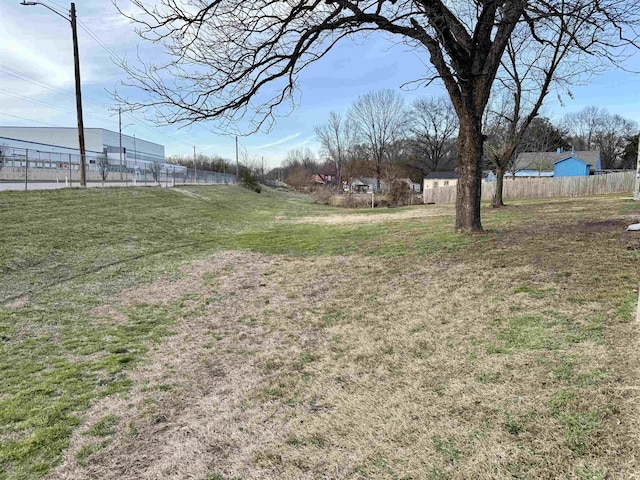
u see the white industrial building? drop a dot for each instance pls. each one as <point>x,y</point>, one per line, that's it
<point>56,143</point>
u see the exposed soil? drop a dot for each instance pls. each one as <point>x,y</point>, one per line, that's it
<point>360,218</point>
<point>351,368</point>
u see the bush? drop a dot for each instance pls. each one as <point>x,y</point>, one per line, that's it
<point>399,193</point>
<point>248,180</point>
<point>323,195</point>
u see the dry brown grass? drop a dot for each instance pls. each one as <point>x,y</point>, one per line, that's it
<point>459,366</point>
<point>376,217</point>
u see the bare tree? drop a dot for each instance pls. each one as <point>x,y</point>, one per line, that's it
<point>531,70</point>
<point>155,169</point>
<point>379,119</point>
<point>583,126</point>
<point>434,124</point>
<point>3,155</point>
<point>337,138</point>
<point>612,139</point>
<point>596,128</point>
<point>224,52</point>
<point>630,156</point>
<point>298,177</point>
<point>102,163</point>
<point>302,157</point>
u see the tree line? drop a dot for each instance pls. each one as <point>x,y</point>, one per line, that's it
<point>238,62</point>
<point>381,137</point>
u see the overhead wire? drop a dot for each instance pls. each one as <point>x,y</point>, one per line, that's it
<point>50,105</point>
<point>28,119</point>
<point>35,81</point>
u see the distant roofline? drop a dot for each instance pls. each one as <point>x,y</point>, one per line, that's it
<point>85,129</point>
<point>64,128</point>
<point>444,175</point>
<point>573,156</point>
<point>46,145</point>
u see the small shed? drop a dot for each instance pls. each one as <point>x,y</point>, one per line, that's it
<point>440,179</point>
<point>573,166</point>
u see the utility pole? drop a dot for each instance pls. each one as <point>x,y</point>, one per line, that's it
<point>76,61</point>
<point>135,160</point>
<point>120,130</point>
<point>237,162</point>
<point>195,164</point>
<point>26,170</point>
<point>262,167</point>
<point>636,192</point>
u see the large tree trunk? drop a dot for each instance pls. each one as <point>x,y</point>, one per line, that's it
<point>470,144</point>
<point>497,196</point>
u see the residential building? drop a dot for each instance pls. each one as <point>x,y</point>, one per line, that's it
<point>546,161</point>
<point>440,179</point>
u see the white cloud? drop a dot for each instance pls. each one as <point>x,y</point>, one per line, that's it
<point>278,142</point>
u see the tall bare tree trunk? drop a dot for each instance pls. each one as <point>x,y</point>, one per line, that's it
<point>468,195</point>
<point>497,196</point>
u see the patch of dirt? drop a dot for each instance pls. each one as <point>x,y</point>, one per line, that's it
<point>359,218</point>
<point>107,314</point>
<point>630,240</point>
<point>20,302</point>
<point>355,367</point>
<point>214,363</point>
<point>190,194</point>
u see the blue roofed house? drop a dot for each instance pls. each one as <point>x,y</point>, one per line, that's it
<point>578,164</point>
<point>557,164</point>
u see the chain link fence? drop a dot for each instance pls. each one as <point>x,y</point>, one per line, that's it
<point>37,166</point>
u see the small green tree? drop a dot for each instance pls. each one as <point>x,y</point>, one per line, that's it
<point>249,180</point>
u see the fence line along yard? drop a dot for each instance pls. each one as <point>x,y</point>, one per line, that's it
<point>619,182</point>
<point>35,166</point>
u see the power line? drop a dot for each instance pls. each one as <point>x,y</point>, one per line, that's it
<point>35,81</point>
<point>50,105</point>
<point>28,119</point>
<point>56,4</point>
<point>154,129</point>
<point>100,42</point>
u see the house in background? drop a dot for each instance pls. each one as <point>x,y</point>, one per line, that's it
<point>415,187</point>
<point>320,179</point>
<point>491,177</point>
<point>440,179</point>
<point>577,166</point>
<point>355,186</point>
<point>562,164</point>
<point>372,184</point>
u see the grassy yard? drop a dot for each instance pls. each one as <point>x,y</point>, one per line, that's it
<point>213,333</point>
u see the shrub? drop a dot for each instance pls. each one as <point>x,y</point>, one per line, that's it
<point>323,195</point>
<point>248,180</point>
<point>399,193</point>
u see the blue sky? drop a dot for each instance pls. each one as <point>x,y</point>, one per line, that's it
<point>36,82</point>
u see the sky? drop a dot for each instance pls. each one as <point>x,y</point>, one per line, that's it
<point>37,83</point>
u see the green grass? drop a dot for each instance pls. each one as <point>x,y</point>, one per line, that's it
<point>104,427</point>
<point>65,253</point>
<point>527,332</point>
<point>82,456</point>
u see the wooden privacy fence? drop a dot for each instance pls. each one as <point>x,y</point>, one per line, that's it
<point>620,182</point>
